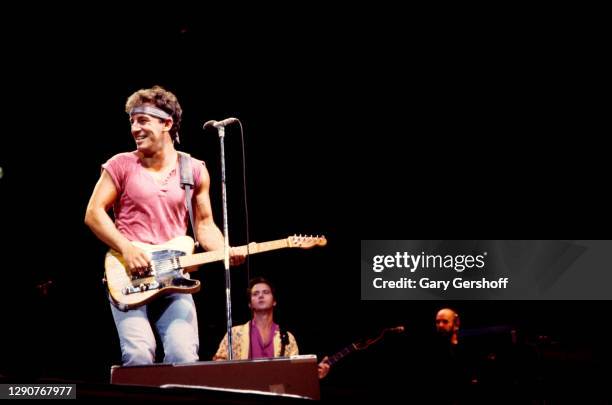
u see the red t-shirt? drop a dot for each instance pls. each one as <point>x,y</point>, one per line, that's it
<point>149,211</point>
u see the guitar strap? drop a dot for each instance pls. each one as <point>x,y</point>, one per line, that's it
<point>186,173</point>
<point>284,340</point>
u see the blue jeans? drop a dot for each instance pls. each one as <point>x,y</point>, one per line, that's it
<point>176,323</point>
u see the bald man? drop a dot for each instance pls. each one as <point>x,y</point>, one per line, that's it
<point>447,324</point>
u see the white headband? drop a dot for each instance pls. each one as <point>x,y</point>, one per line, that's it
<point>150,110</point>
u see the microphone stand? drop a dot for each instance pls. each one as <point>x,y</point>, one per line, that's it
<point>226,248</point>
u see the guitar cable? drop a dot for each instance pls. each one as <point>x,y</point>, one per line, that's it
<point>246,206</point>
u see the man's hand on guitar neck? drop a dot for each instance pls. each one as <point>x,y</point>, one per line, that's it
<point>323,368</point>
<point>236,258</point>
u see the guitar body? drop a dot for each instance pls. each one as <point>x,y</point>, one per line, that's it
<point>165,276</point>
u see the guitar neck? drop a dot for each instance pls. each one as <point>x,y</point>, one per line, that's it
<point>341,354</point>
<point>217,255</point>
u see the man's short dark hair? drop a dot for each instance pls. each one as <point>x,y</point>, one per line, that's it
<point>259,280</point>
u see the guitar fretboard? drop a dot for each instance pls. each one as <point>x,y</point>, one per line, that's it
<point>342,353</point>
<point>217,255</point>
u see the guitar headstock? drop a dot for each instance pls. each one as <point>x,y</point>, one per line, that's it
<point>306,242</point>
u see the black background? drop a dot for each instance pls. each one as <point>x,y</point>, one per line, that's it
<point>359,124</point>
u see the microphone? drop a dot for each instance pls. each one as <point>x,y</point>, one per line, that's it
<point>397,329</point>
<point>217,124</point>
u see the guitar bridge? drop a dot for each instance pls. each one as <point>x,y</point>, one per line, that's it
<point>133,289</point>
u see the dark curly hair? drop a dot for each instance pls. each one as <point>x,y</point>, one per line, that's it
<point>160,98</point>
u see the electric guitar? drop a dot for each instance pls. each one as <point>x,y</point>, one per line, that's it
<point>169,264</point>
<point>361,344</point>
